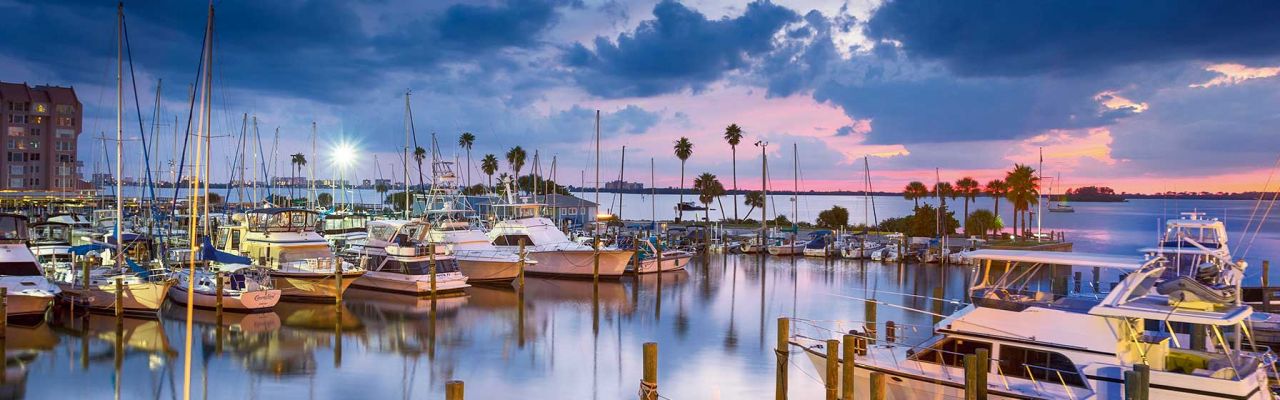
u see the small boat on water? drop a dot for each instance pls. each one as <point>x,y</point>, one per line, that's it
<point>285,241</point>
<point>651,253</point>
<point>29,292</point>
<point>1020,328</point>
<point>399,259</point>
<point>244,288</point>
<point>555,254</point>
<point>820,244</point>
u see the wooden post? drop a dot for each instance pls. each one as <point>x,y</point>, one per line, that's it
<point>1137,383</point>
<point>522,262</point>
<point>833,368</point>
<point>218,305</point>
<point>4,315</point>
<point>453,390</point>
<point>649,385</point>
<point>870,324</point>
<point>119,298</point>
<point>937,304</point>
<point>85,270</point>
<point>847,376</point>
<point>784,333</point>
<point>877,386</point>
<point>337,281</point>
<point>975,375</point>
<point>1266,286</point>
<point>889,332</point>
<point>595,266</point>
<point>431,269</point>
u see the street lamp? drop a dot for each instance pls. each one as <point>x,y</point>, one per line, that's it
<point>343,155</point>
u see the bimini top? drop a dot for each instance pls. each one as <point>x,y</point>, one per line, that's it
<point>1062,258</point>
<point>277,210</point>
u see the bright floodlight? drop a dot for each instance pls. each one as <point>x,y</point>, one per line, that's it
<point>344,154</point>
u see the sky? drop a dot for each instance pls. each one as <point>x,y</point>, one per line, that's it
<point>1139,96</point>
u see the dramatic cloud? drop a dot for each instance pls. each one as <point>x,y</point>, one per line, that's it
<point>1230,74</point>
<point>1073,36</point>
<point>677,50</point>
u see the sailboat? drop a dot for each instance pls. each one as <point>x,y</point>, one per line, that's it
<point>140,290</point>
<point>794,246</point>
<point>1061,206</point>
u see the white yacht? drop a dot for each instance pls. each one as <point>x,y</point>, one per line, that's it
<point>449,216</point>
<point>82,230</point>
<point>1072,345</point>
<point>284,240</point>
<point>29,293</point>
<point>343,229</point>
<point>398,259</point>
<point>50,242</point>
<point>555,254</point>
<point>672,260</point>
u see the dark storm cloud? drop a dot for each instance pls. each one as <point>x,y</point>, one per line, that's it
<point>679,49</point>
<point>1019,38</point>
<point>574,122</point>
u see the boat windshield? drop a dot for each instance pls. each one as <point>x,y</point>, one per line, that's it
<point>19,268</point>
<point>301,253</point>
<point>344,223</point>
<point>51,233</point>
<point>282,221</point>
<point>13,227</point>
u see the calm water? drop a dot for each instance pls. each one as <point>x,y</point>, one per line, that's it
<point>714,325</point>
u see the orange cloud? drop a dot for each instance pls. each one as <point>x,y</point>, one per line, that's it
<point>1113,101</point>
<point>1231,74</point>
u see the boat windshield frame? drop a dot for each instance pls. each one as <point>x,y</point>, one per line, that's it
<point>281,220</point>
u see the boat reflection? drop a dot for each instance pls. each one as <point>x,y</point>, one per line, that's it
<point>22,345</point>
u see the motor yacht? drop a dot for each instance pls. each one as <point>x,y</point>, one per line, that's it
<point>285,242</point>
<point>399,259</point>
<point>29,293</point>
<point>555,254</point>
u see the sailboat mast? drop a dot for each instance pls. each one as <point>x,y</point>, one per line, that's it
<point>622,170</point>
<point>593,230</point>
<point>257,150</point>
<point>866,193</point>
<point>406,153</point>
<point>119,131</point>
<point>795,183</point>
<point>311,174</point>
<point>1039,215</point>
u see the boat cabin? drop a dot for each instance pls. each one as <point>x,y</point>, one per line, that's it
<point>50,234</point>
<point>342,223</point>
<point>13,228</point>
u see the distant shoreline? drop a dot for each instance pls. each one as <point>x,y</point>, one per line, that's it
<point>1119,198</point>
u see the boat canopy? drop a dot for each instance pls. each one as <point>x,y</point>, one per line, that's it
<point>13,227</point>
<point>1062,258</point>
<point>209,253</point>
<point>1133,298</point>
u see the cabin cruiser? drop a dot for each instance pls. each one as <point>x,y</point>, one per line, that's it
<point>476,256</point>
<point>1033,356</point>
<point>50,242</point>
<point>244,287</point>
<point>285,241</point>
<point>342,229</point>
<point>29,293</point>
<point>788,247</point>
<point>650,256</point>
<point>398,259</point>
<point>555,254</point>
<point>82,229</point>
<point>860,249</point>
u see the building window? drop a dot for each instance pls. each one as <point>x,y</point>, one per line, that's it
<point>33,144</point>
<point>15,183</point>
<point>65,158</point>
<point>17,119</point>
<point>33,156</point>
<point>13,143</point>
<point>64,170</point>
<point>951,351</point>
<point>33,169</point>
<point>17,131</point>
<point>15,170</point>
<point>66,121</point>
<point>42,108</point>
<point>19,106</point>
<point>64,133</point>
<point>66,109</point>
<point>35,132</point>
<point>571,211</point>
<point>63,146</point>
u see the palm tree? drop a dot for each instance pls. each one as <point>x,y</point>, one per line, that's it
<point>489,164</point>
<point>996,188</point>
<point>515,159</point>
<point>754,199</point>
<point>683,149</point>
<point>943,190</point>
<point>733,135</point>
<point>419,155</point>
<point>914,192</point>
<point>298,161</point>
<point>1024,192</point>
<point>709,189</point>
<point>466,141</point>
<point>967,188</point>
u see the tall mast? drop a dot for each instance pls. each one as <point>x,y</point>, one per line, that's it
<point>406,153</point>
<point>205,122</point>
<point>257,139</point>
<point>311,175</point>
<point>653,199</point>
<point>795,199</point>
<point>622,170</point>
<point>1039,214</point>
<point>866,194</point>
<point>119,131</point>
<point>593,230</point>
<point>764,194</point>
<point>244,142</point>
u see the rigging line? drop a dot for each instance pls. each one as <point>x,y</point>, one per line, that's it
<point>1261,195</point>
<point>235,161</point>
<point>124,29</point>
<point>905,308</point>
<point>1258,229</point>
<point>182,161</point>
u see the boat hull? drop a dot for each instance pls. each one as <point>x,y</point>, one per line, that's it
<point>259,300</point>
<point>676,263</point>
<point>488,271</point>
<point>419,285</point>
<point>579,263</point>
<point>306,286</point>
<point>19,305</point>
<point>144,298</point>
<point>786,250</point>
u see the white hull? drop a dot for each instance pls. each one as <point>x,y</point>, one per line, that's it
<point>412,284</point>
<point>479,270</point>
<point>823,252</point>
<point>786,250</point>
<point>260,300</point>
<point>675,263</point>
<point>143,297</point>
<point>579,263</point>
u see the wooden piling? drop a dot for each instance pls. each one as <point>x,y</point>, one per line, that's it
<point>1266,286</point>
<point>890,333</point>
<point>649,384</point>
<point>119,299</point>
<point>4,314</point>
<point>784,333</point>
<point>84,268</point>
<point>937,304</point>
<point>847,374</point>
<point>975,375</point>
<point>521,263</point>
<point>870,324</point>
<point>595,263</point>
<point>431,267</point>
<point>337,281</point>
<point>1142,382</point>
<point>877,386</point>
<point>453,390</point>
<point>833,369</point>
<point>217,311</point>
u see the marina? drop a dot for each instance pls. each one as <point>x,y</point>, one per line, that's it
<point>885,200</point>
